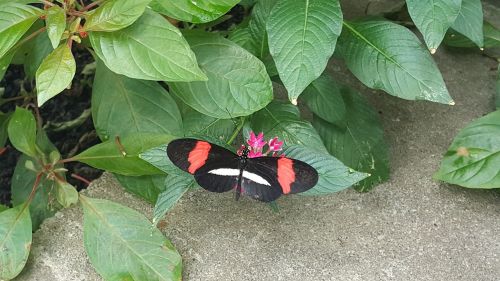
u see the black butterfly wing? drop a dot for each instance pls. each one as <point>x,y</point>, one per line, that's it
<point>205,160</point>
<point>281,175</point>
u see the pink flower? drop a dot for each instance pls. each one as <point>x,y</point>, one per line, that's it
<point>252,154</point>
<point>256,143</point>
<point>275,144</point>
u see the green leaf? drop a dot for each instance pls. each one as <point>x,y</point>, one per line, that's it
<point>16,19</point>
<point>470,21</point>
<point>156,156</point>
<point>15,241</point>
<point>333,175</point>
<point>4,63</point>
<point>120,241</point>
<point>56,24</point>
<point>38,49</point>
<point>22,131</point>
<point>323,97</point>
<point>3,208</point>
<point>491,38</point>
<point>55,73</point>
<point>238,83</point>
<point>66,194</point>
<point>302,36</point>
<point>473,158</point>
<point>110,156</point>
<point>358,140</point>
<point>147,187</point>
<point>114,15</point>
<point>193,11</point>
<point>433,18</point>
<point>257,26</point>
<point>21,187</point>
<point>143,44</point>
<point>4,122</point>
<point>175,187</point>
<point>121,105</point>
<point>387,56</point>
<point>196,123</point>
<point>283,120</point>
<point>244,38</point>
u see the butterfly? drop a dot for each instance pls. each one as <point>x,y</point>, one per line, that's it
<point>217,169</point>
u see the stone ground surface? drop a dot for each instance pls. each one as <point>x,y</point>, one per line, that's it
<point>410,228</point>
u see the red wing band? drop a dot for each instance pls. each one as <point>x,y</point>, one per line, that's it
<point>286,174</point>
<point>198,156</point>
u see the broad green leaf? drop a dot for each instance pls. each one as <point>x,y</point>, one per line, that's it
<point>15,241</point>
<point>56,24</point>
<point>333,175</point>
<point>238,83</point>
<point>39,48</point>
<point>154,50</point>
<point>302,36</point>
<point>121,105</point>
<point>147,187</point>
<point>120,241</point>
<point>358,140</point>
<point>470,21</point>
<point>4,63</point>
<point>283,120</point>
<point>3,208</point>
<point>4,122</point>
<point>22,131</point>
<point>157,156</point>
<point>244,38</point>
<point>491,38</point>
<point>473,158</point>
<point>114,15</point>
<point>323,97</point>
<point>175,187</point>
<point>21,186</point>
<point>433,18</point>
<point>123,157</point>
<point>55,73</point>
<point>66,194</point>
<point>15,20</point>
<point>257,26</point>
<point>193,11</point>
<point>387,56</point>
<point>196,123</point>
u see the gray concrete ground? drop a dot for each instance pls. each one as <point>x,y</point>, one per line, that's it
<point>410,228</point>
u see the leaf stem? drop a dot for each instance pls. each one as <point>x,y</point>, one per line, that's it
<point>237,130</point>
<point>33,191</point>
<point>91,5</point>
<point>29,37</point>
<point>80,178</point>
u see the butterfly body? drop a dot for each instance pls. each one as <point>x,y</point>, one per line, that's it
<point>217,169</point>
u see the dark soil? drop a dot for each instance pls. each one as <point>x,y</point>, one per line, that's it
<point>65,107</point>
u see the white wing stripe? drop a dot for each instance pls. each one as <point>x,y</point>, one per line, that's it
<point>236,172</point>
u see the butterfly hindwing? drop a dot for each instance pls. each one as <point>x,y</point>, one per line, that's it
<point>290,175</point>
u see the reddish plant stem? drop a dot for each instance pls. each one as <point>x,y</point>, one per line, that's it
<point>2,150</point>
<point>80,178</point>
<point>39,120</point>
<point>62,161</point>
<point>33,191</point>
<point>91,5</point>
<point>14,98</point>
<point>29,37</point>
